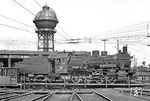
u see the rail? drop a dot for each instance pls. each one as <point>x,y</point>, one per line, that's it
<point>79,97</point>
<point>71,99</point>
<point>48,96</point>
<point>16,96</point>
<point>45,95</point>
<point>108,99</point>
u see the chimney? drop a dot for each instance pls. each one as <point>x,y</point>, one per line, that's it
<point>125,49</point>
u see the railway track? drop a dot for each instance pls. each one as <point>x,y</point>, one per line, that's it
<point>89,96</point>
<point>68,95</point>
<point>10,96</point>
<point>30,96</point>
<point>77,96</point>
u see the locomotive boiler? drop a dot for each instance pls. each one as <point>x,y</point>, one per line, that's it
<point>101,68</point>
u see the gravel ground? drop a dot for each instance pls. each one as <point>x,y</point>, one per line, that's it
<point>143,96</point>
<point>27,98</point>
<point>60,97</point>
<point>92,97</point>
<point>7,95</point>
<point>75,98</point>
<point>117,96</point>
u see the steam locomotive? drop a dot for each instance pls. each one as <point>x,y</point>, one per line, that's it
<point>77,67</point>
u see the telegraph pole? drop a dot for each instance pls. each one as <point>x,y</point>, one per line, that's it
<point>104,40</point>
<point>148,30</point>
<point>118,46</point>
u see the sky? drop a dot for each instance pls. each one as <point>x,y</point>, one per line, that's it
<point>82,19</point>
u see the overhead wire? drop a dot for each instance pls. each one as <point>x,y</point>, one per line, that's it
<point>126,33</point>
<point>131,29</point>
<point>62,35</point>
<point>70,38</point>
<point>128,30</point>
<point>5,25</point>
<point>116,30</point>
<point>15,28</point>
<point>23,7</point>
<point>64,31</point>
<point>67,39</point>
<point>130,36</point>
<point>127,37</point>
<point>38,3</point>
<point>16,21</point>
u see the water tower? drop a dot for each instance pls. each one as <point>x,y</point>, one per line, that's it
<point>45,22</point>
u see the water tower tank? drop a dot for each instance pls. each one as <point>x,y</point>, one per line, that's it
<point>46,19</point>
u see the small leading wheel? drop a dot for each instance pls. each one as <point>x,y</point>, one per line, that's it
<point>100,79</point>
<point>76,79</point>
<point>111,79</point>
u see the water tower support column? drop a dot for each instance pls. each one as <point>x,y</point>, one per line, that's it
<point>45,40</point>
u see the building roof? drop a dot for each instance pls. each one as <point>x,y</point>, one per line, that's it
<point>28,53</point>
<point>59,55</point>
